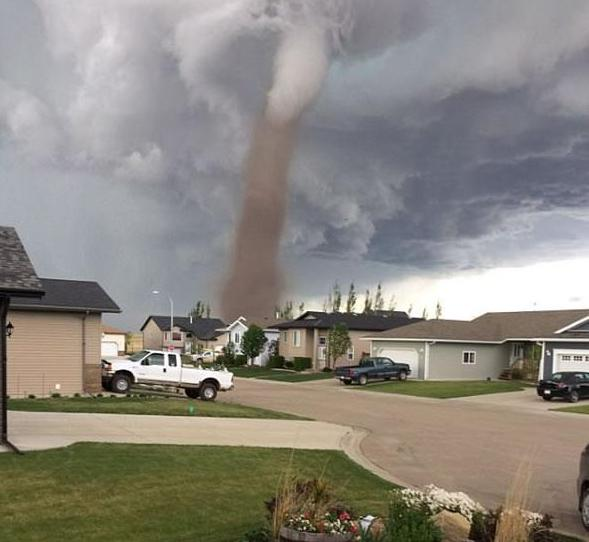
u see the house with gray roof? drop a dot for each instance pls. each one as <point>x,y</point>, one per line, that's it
<point>539,343</point>
<point>187,333</point>
<point>306,336</point>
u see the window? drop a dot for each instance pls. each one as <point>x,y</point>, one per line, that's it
<point>518,350</point>
<point>469,358</point>
<point>172,360</point>
<point>566,357</point>
<point>577,358</point>
<point>176,336</point>
<point>285,337</point>
<point>153,359</point>
<point>296,337</point>
<point>351,353</point>
<point>236,338</point>
<point>322,341</point>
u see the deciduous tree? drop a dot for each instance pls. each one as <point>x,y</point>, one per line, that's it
<point>252,342</point>
<point>338,343</point>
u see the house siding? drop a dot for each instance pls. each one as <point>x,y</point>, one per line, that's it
<point>290,351</point>
<point>153,338</point>
<point>47,349</point>
<point>446,361</point>
<point>550,347</point>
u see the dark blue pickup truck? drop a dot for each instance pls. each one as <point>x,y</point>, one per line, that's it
<point>373,369</point>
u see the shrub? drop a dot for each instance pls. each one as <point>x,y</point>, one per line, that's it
<point>240,360</point>
<point>99,395</point>
<point>289,364</point>
<point>327,370</point>
<point>259,534</point>
<point>55,395</point>
<point>517,373</point>
<point>275,362</point>
<point>31,396</point>
<point>300,364</point>
<point>408,524</point>
<point>77,395</point>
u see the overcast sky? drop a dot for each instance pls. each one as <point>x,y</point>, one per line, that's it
<point>447,155</point>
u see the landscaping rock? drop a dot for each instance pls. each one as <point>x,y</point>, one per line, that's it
<point>455,527</point>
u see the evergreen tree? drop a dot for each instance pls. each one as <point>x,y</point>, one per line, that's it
<point>378,298</point>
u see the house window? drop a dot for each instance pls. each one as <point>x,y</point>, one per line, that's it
<point>322,341</point>
<point>566,357</point>
<point>577,358</point>
<point>518,350</point>
<point>176,336</point>
<point>469,358</point>
<point>296,337</point>
<point>285,337</point>
<point>236,338</point>
<point>351,353</point>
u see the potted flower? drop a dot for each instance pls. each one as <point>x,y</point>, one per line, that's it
<point>333,526</point>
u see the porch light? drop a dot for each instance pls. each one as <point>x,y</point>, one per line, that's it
<point>9,329</point>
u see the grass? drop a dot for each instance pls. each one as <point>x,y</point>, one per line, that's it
<point>278,375</point>
<point>151,493</point>
<point>158,406</point>
<point>444,389</point>
<point>579,409</point>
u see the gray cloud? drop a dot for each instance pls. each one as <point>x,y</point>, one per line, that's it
<point>447,137</point>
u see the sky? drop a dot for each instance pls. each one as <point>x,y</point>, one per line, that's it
<point>446,155</point>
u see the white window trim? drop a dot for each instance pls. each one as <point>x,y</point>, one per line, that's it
<point>474,357</point>
<point>296,338</point>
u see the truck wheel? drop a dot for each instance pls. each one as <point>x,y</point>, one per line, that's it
<point>547,398</point>
<point>192,393</point>
<point>121,384</point>
<point>208,392</point>
<point>363,380</point>
<point>573,396</point>
<point>402,376</point>
<point>347,382</point>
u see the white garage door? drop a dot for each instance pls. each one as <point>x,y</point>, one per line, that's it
<point>401,355</point>
<point>570,360</point>
<point>109,349</point>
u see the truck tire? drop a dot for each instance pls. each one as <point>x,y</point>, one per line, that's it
<point>347,381</point>
<point>363,380</point>
<point>120,383</point>
<point>403,376</point>
<point>192,393</point>
<point>208,392</point>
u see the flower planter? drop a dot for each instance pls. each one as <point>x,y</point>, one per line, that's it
<point>290,535</point>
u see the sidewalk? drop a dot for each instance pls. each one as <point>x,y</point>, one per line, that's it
<point>44,430</point>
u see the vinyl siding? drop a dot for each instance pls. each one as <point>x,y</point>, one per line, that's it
<point>290,351</point>
<point>446,361</point>
<point>46,350</point>
<point>153,338</point>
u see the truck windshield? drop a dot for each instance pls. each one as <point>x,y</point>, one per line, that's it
<point>138,356</point>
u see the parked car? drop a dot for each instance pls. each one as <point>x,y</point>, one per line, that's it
<point>569,385</point>
<point>583,487</point>
<point>373,369</point>
<point>158,368</point>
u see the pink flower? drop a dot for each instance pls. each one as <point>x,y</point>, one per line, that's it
<point>344,516</point>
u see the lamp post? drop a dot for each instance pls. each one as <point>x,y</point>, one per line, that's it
<point>157,292</point>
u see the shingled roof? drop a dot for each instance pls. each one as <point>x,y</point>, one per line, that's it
<point>205,329</point>
<point>494,327</point>
<point>70,296</point>
<point>17,275</point>
<point>353,321</point>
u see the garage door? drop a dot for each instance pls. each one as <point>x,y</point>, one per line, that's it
<point>109,349</point>
<point>568,360</point>
<point>402,355</point>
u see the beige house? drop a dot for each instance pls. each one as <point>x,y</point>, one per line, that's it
<point>306,336</point>
<point>56,341</point>
<point>188,334</point>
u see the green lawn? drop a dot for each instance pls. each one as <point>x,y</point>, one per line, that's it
<point>159,406</point>
<point>149,493</point>
<point>579,409</point>
<point>278,375</point>
<point>445,389</point>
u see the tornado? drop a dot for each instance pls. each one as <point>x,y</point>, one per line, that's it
<point>255,279</point>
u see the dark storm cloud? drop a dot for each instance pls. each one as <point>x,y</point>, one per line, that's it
<point>447,136</point>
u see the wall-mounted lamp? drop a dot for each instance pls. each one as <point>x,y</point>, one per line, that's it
<point>9,329</point>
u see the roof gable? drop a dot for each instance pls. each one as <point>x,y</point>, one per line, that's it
<point>17,275</point>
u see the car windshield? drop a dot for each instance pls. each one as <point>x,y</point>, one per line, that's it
<point>138,356</point>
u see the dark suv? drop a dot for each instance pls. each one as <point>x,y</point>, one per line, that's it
<point>569,385</point>
<point>583,487</point>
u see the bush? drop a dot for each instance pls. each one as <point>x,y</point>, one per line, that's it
<point>31,396</point>
<point>259,534</point>
<point>327,370</point>
<point>240,360</point>
<point>517,373</point>
<point>289,364</point>
<point>77,395</point>
<point>408,524</point>
<point>301,364</point>
<point>275,362</point>
<point>55,395</point>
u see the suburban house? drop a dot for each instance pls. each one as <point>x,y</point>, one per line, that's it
<point>187,335</point>
<point>113,342</point>
<point>234,333</point>
<point>17,277</point>
<point>544,342</point>
<point>55,345</point>
<point>306,336</point>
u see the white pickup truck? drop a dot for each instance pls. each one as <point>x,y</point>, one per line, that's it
<point>157,368</point>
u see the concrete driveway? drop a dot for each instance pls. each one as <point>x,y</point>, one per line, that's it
<point>472,445</point>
